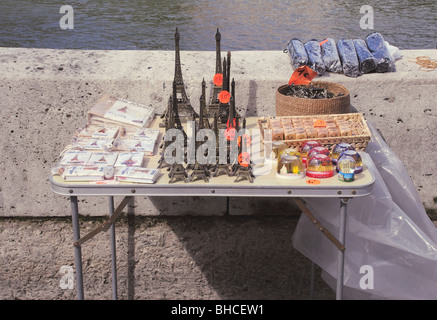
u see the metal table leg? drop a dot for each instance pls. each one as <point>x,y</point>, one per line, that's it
<point>340,262</point>
<point>312,280</point>
<point>77,250</point>
<point>113,250</point>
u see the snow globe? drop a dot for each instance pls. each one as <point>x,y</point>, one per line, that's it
<point>338,149</point>
<point>306,147</point>
<point>290,167</point>
<point>320,166</point>
<point>346,168</point>
<point>356,156</point>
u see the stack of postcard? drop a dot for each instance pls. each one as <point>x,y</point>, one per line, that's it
<point>74,157</point>
<point>84,173</point>
<point>130,159</point>
<point>102,159</point>
<point>115,111</point>
<point>137,175</point>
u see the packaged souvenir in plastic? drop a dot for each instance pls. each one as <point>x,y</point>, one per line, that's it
<point>348,57</point>
<point>365,58</point>
<point>299,56</point>
<point>315,61</point>
<point>375,43</point>
<point>330,56</point>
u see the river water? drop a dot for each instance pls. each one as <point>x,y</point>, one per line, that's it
<point>244,24</point>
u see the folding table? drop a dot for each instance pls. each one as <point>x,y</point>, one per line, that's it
<point>265,184</point>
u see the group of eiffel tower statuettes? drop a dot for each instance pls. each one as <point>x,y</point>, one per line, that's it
<point>223,115</point>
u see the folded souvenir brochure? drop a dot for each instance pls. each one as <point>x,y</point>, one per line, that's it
<point>137,174</point>
<point>102,158</point>
<point>83,173</point>
<point>74,157</point>
<point>110,110</point>
<point>130,159</point>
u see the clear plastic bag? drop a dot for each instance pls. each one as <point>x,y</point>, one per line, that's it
<point>384,61</point>
<point>330,56</point>
<point>315,61</point>
<point>365,58</point>
<point>298,54</point>
<point>348,57</point>
<point>388,230</point>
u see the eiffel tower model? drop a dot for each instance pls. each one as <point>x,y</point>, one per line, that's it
<point>203,119</point>
<point>214,101</point>
<point>232,128</point>
<point>243,167</point>
<point>186,111</point>
<point>223,109</point>
<point>172,121</point>
<point>200,171</point>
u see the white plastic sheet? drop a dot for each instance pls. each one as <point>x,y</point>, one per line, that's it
<point>387,232</point>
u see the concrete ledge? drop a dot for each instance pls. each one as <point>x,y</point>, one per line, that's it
<point>45,95</point>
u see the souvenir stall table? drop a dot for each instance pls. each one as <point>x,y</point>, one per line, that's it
<point>265,183</point>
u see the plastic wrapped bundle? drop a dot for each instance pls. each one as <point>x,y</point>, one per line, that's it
<point>348,57</point>
<point>375,43</point>
<point>315,61</point>
<point>365,58</point>
<point>330,56</point>
<point>298,53</point>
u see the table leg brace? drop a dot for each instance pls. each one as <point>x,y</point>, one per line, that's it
<point>105,226</point>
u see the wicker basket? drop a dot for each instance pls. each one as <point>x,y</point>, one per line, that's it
<point>293,106</point>
<point>359,141</point>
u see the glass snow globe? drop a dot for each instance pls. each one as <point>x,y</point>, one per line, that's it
<point>290,167</point>
<point>356,156</point>
<point>320,166</point>
<point>306,147</point>
<point>346,168</point>
<point>318,150</point>
<point>338,149</point>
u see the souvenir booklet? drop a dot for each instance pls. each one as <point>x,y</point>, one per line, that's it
<point>130,159</point>
<point>102,158</point>
<point>74,157</point>
<point>84,173</point>
<point>137,174</point>
<point>111,110</point>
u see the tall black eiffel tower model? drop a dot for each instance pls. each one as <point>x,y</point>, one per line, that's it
<point>186,111</point>
<point>214,102</point>
<point>172,121</point>
<point>223,109</point>
<point>200,171</point>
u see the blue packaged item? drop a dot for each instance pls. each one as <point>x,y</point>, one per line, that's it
<point>375,43</point>
<point>365,58</point>
<point>315,61</point>
<point>348,57</point>
<point>330,56</point>
<point>298,53</point>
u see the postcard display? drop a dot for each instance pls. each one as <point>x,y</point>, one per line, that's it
<point>112,146</point>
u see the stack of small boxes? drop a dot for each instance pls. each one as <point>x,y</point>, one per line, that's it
<point>297,128</point>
